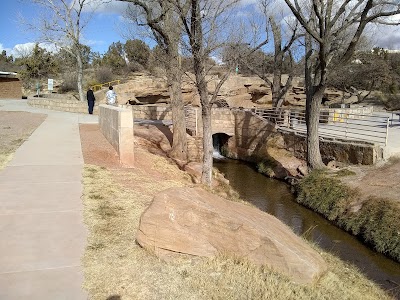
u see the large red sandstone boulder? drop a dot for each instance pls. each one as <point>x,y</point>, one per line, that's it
<point>196,222</point>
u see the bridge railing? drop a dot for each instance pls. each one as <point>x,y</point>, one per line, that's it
<point>98,87</point>
<point>333,124</point>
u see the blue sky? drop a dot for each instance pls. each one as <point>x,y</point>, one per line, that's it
<point>107,26</point>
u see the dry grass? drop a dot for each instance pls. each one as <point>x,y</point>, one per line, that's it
<point>5,158</point>
<point>7,151</point>
<point>115,266</point>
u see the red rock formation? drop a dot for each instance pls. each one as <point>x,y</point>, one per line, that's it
<point>196,222</point>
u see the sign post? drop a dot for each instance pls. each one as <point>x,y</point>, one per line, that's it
<point>37,89</point>
<point>50,84</point>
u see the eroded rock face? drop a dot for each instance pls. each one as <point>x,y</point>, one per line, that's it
<point>158,135</point>
<point>196,222</point>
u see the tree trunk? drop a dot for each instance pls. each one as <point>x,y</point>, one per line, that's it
<point>206,176</point>
<point>313,100</point>
<point>80,76</point>
<point>174,78</point>
<point>276,87</point>
<point>196,37</point>
<point>278,62</point>
<point>314,159</point>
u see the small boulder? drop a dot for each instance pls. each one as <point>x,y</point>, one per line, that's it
<point>196,222</point>
<point>194,169</point>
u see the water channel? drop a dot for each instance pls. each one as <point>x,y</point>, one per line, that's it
<point>274,197</point>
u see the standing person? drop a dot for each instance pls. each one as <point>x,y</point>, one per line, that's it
<point>111,96</point>
<point>90,99</point>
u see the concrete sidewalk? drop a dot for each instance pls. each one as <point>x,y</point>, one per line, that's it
<point>41,225</point>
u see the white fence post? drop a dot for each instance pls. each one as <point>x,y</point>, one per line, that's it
<point>387,131</point>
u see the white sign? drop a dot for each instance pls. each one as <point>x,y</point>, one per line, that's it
<point>50,84</point>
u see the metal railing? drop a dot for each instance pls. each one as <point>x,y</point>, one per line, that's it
<point>333,124</point>
<point>98,87</point>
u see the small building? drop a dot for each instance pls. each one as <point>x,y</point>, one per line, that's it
<point>10,86</point>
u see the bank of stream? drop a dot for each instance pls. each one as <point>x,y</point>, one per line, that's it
<point>275,197</point>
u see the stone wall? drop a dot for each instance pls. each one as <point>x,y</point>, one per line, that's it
<point>116,124</point>
<point>10,88</point>
<point>152,112</point>
<point>349,153</point>
<point>251,137</point>
<point>62,103</point>
<point>256,140</point>
<point>222,118</point>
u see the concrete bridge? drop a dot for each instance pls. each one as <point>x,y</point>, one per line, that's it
<point>351,136</point>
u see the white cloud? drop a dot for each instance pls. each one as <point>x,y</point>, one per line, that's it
<point>107,7</point>
<point>384,36</point>
<point>25,49</point>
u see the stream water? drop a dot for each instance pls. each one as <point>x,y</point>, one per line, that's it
<point>274,197</point>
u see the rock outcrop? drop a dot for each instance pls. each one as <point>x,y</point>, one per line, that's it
<point>237,91</point>
<point>195,222</point>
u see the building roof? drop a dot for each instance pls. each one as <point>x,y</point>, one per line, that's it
<point>8,74</point>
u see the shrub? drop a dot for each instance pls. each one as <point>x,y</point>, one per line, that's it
<point>325,195</point>
<point>344,172</point>
<point>266,167</point>
<point>69,83</point>
<point>135,67</point>
<point>391,101</point>
<point>376,223</point>
<point>91,83</point>
<point>104,74</point>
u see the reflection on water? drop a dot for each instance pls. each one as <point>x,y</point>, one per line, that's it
<point>275,198</point>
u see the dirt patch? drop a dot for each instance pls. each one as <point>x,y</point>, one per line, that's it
<point>15,128</point>
<point>379,182</point>
<point>98,151</point>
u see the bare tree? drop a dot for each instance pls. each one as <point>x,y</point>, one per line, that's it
<point>162,19</point>
<point>202,22</point>
<point>281,49</point>
<point>336,28</point>
<point>61,23</point>
<point>250,56</point>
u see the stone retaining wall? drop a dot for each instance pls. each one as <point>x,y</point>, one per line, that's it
<point>253,136</point>
<point>62,103</point>
<point>116,124</point>
<point>350,153</point>
<point>152,112</point>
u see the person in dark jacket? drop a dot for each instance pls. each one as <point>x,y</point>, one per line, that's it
<point>90,99</point>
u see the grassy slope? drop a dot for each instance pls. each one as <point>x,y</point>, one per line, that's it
<point>116,266</point>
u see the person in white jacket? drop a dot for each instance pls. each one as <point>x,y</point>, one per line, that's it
<point>111,96</point>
